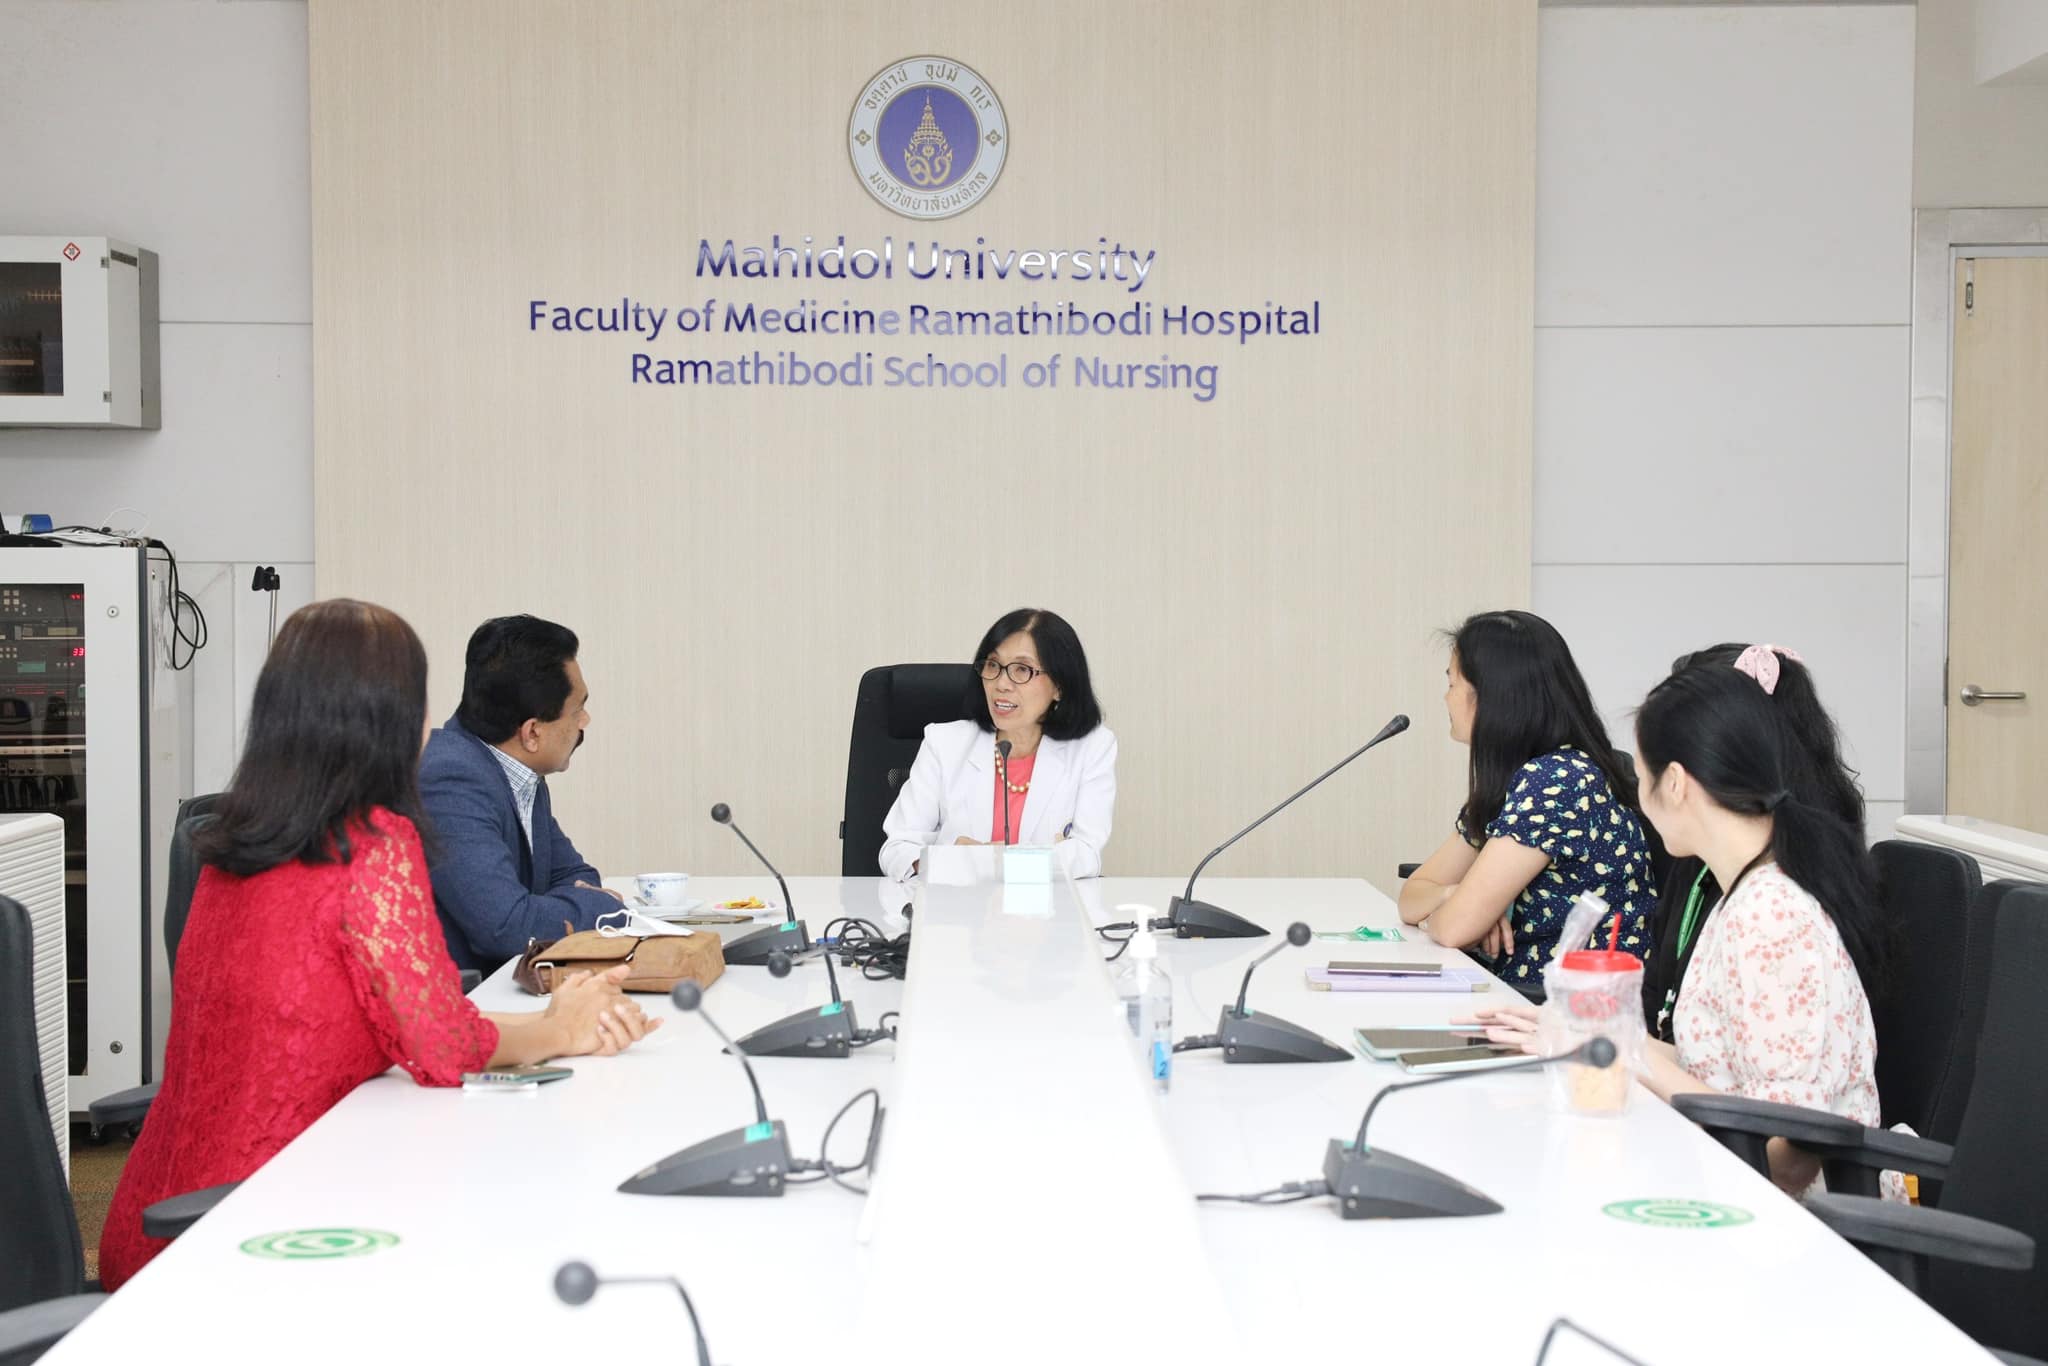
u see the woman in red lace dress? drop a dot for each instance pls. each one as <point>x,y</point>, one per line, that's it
<point>312,960</point>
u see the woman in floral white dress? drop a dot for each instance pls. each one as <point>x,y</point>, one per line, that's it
<point>1776,1004</point>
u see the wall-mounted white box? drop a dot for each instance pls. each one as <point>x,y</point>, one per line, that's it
<point>78,333</point>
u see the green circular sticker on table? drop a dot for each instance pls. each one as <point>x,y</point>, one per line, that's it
<point>319,1244</point>
<point>1678,1213</point>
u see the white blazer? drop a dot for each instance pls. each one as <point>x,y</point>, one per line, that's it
<point>951,791</point>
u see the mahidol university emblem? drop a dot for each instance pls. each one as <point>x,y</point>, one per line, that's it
<point>928,137</point>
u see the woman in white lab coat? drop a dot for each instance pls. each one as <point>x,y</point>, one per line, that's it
<point>1059,778</point>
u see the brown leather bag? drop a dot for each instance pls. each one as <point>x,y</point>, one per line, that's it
<point>658,961</point>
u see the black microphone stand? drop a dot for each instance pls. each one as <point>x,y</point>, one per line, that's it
<point>789,938</point>
<point>576,1283</point>
<point>753,1161</point>
<point>1248,1037</point>
<point>826,1032</point>
<point>1003,775</point>
<point>1371,1183</point>
<point>1192,919</point>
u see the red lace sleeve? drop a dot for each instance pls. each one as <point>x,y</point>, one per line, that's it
<point>398,962</point>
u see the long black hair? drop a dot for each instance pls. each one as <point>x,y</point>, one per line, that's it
<point>1814,769</point>
<point>1531,700</point>
<point>1721,726</point>
<point>1815,773</point>
<point>334,730</point>
<point>1076,713</point>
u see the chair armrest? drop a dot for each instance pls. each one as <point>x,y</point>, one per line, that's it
<point>122,1107</point>
<point>26,1333</point>
<point>1920,1231</point>
<point>1888,1151</point>
<point>1406,870</point>
<point>470,978</point>
<point>1825,1135</point>
<point>169,1218</point>
<point>1811,1129</point>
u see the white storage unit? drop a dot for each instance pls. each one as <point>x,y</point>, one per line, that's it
<point>32,872</point>
<point>78,333</point>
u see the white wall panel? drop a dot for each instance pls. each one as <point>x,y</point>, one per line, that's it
<point>1724,165</point>
<point>179,125</point>
<point>230,476</point>
<point>1626,623</point>
<point>1721,445</point>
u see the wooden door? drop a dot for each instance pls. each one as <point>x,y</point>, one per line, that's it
<point>1998,528</point>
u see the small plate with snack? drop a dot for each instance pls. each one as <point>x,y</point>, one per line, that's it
<point>750,907</point>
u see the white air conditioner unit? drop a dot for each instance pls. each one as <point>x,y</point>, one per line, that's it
<point>32,872</point>
<point>78,333</point>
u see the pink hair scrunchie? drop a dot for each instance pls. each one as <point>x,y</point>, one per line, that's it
<point>1761,663</point>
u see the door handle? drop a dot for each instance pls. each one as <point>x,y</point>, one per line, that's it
<point>1975,696</point>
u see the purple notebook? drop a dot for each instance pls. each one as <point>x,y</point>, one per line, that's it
<point>1462,980</point>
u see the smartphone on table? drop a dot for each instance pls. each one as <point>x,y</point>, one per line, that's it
<point>1476,1058</point>
<point>1391,968</point>
<point>521,1076</point>
<point>1389,1044</point>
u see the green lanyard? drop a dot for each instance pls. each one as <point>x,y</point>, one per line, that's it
<point>1688,925</point>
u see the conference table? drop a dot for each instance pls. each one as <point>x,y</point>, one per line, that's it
<point>1033,1197</point>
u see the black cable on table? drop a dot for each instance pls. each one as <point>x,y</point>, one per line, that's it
<point>1129,930</point>
<point>823,1166</point>
<point>1286,1194</point>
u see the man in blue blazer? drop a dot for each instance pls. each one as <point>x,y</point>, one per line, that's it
<point>503,871</point>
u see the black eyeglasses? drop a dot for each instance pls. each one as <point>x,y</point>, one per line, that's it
<point>1020,673</point>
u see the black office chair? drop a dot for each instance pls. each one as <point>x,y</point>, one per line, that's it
<point>131,1106</point>
<point>1925,1038</point>
<point>1973,1256</point>
<point>43,1290</point>
<point>894,705</point>
<point>1927,1019</point>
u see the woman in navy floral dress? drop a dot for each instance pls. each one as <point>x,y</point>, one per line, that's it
<point>1549,814</point>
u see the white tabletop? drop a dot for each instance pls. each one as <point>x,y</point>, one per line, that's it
<point>488,1194</point>
<point>1304,1283</point>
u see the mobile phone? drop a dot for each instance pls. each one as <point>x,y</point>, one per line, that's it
<point>513,1078</point>
<point>1463,1059</point>
<point>1359,969</point>
<point>1387,1044</point>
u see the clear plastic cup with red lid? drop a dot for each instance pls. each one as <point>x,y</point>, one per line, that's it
<point>1593,993</point>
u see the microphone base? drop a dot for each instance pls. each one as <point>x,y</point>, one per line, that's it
<point>753,1161</point>
<point>753,950</point>
<point>1252,1037</point>
<point>1200,920</point>
<point>822,1033</point>
<point>1375,1184</point>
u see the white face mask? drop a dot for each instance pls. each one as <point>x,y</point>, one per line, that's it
<point>627,922</point>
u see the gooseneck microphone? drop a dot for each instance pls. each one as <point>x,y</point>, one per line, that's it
<point>1297,935</point>
<point>1247,1037</point>
<point>751,1161</point>
<point>576,1283</point>
<point>1003,772</point>
<point>1375,1184</point>
<point>790,937</point>
<point>1192,919</point>
<point>824,1032</point>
